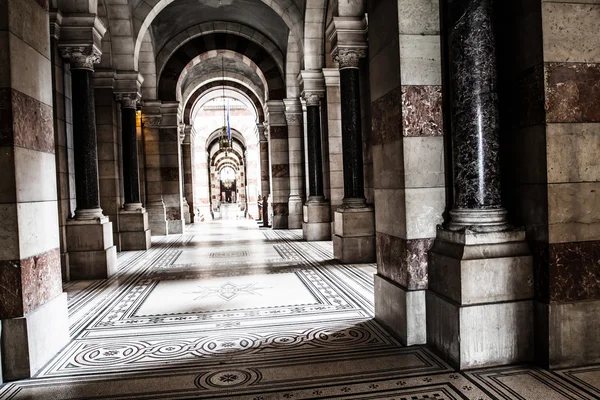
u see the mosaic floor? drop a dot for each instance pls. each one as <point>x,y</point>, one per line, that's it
<point>231,311</point>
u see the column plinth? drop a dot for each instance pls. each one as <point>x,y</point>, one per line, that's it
<point>479,302</point>
<point>354,221</point>
<point>92,254</point>
<point>317,211</point>
<point>133,218</point>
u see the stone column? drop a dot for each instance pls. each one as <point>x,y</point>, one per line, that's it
<point>354,238</point>
<point>151,118</point>
<point>265,182</point>
<point>408,158</point>
<point>133,218</point>
<point>279,162</point>
<point>92,254</point>
<point>293,115</point>
<point>33,307</point>
<point>317,220</point>
<point>170,166</point>
<point>335,164</point>
<point>479,303</point>
<point>187,157</point>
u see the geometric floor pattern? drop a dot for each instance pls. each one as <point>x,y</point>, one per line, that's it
<point>231,311</point>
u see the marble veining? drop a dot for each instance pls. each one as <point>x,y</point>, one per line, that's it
<point>315,156</point>
<point>475,115</point>
<point>352,145</point>
<point>84,140</point>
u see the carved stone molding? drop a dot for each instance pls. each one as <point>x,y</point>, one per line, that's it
<point>293,119</point>
<point>81,57</point>
<point>151,120</point>
<point>128,100</point>
<point>349,58</point>
<point>313,98</point>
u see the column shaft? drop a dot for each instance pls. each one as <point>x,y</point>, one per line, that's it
<point>131,181</point>
<point>474,117</point>
<point>84,142</point>
<point>315,154</point>
<point>354,187</point>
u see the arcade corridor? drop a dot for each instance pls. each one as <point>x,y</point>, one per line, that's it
<point>231,311</point>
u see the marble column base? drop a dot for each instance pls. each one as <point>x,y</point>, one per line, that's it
<point>135,233</point>
<point>175,226</point>
<point>480,298</point>
<point>29,342</point>
<point>401,311</point>
<point>92,254</point>
<point>157,218</point>
<point>564,333</point>
<point>316,224</point>
<point>295,212</point>
<point>354,238</point>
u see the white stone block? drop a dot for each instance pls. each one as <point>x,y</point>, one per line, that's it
<point>30,341</point>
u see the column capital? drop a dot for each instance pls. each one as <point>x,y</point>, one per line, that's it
<point>312,98</point>
<point>348,57</point>
<point>80,41</point>
<point>312,83</point>
<point>293,111</point>
<point>128,100</point>
<point>81,57</point>
<point>128,86</point>
<point>348,37</point>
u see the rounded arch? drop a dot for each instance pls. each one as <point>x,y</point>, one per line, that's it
<point>211,55</point>
<point>147,10</point>
<point>218,27</point>
<point>242,47</point>
<point>218,92</point>
<point>190,104</point>
<point>236,136</point>
<point>231,81</point>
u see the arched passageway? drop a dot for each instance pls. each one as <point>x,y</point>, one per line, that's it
<point>285,199</point>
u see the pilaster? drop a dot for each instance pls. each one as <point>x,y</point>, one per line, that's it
<point>279,163</point>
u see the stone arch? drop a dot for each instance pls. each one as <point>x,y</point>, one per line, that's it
<point>314,34</point>
<point>218,27</point>
<point>219,75</point>
<point>190,104</point>
<point>240,84</point>
<point>147,10</point>
<point>169,78</point>
<point>217,92</point>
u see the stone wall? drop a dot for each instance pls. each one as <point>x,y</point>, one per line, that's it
<point>550,71</point>
<point>333,157</point>
<point>108,133</point>
<point>63,140</point>
<point>33,307</point>
<point>408,156</point>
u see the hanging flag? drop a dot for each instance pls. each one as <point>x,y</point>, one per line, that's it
<point>228,123</point>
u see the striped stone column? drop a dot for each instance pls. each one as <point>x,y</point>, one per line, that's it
<point>293,115</point>
<point>279,163</point>
<point>33,307</point>
<point>90,243</point>
<point>265,176</point>
<point>151,118</point>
